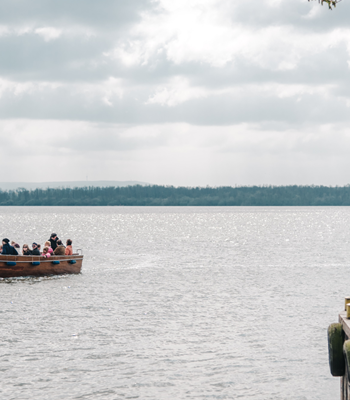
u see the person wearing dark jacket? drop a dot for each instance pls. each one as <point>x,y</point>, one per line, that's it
<point>35,251</point>
<point>53,240</point>
<point>8,249</point>
<point>26,251</point>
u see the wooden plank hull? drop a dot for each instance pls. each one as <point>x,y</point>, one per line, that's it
<point>25,267</point>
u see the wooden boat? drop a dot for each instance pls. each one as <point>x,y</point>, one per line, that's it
<point>16,266</point>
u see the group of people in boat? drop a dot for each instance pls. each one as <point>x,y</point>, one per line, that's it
<point>53,247</point>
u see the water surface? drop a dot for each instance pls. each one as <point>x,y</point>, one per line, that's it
<point>177,303</point>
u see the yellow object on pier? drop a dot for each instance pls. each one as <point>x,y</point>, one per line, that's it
<point>347,300</point>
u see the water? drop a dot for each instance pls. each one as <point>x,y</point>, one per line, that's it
<point>177,303</point>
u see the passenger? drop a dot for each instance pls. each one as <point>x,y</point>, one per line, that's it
<point>8,249</point>
<point>48,244</point>
<point>35,251</point>
<point>39,248</point>
<point>25,250</point>
<point>69,248</point>
<point>60,250</point>
<point>15,245</point>
<point>53,241</point>
<point>46,253</point>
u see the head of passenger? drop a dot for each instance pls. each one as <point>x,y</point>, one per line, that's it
<point>45,250</point>
<point>59,242</point>
<point>47,244</point>
<point>34,246</point>
<point>25,248</point>
<point>39,246</point>
<point>5,241</point>
<point>69,242</point>
<point>53,236</point>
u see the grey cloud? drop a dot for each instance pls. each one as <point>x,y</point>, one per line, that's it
<point>299,138</point>
<point>329,68</point>
<point>29,57</point>
<point>82,60</point>
<point>75,61</point>
<point>108,14</point>
<point>224,109</point>
<point>75,55</point>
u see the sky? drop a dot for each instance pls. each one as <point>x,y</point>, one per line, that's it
<point>184,93</point>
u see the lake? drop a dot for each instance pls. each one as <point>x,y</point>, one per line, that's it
<point>177,303</point>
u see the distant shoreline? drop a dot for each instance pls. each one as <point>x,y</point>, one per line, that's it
<point>139,195</point>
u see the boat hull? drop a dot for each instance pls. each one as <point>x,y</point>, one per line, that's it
<point>17,266</point>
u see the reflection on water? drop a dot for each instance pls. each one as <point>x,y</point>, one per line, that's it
<point>176,303</point>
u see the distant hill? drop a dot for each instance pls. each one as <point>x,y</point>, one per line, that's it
<point>67,184</point>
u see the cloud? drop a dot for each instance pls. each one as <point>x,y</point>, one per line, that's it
<point>235,92</point>
<point>112,15</point>
<point>179,154</point>
<point>176,92</point>
<point>116,101</point>
<point>206,32</point>
<point>202,60</point>
<point>48,33</point>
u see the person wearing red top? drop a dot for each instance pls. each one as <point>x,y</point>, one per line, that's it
<point>69,248</point>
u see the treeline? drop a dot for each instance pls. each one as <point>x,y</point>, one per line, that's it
<point>180,196</point>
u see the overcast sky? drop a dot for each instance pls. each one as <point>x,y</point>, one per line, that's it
<point>185,92</point>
